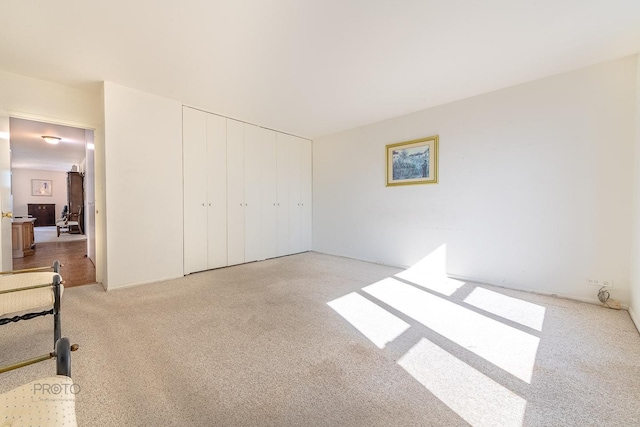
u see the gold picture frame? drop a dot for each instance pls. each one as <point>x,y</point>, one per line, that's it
<point>41,187</point>
<point>413,162</point>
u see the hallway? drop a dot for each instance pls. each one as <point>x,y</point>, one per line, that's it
<point>77,269</point>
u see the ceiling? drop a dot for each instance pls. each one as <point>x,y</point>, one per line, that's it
<point>30,151</point>
<point>313,67</point>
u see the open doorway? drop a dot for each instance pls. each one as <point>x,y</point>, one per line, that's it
<point>52,191</point>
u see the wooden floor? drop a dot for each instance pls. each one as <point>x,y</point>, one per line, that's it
<point>76,270</point>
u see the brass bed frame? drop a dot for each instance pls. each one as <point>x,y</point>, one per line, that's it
<point>62,347</point>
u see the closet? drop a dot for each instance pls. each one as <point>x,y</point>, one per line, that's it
<point>294,188</point>
<point>247,192</point>
<point>205,190</point>
<point>251,190</point>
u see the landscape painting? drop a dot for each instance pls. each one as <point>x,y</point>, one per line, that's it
<point>413,162</point>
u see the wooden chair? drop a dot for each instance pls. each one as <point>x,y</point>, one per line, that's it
<point>65,225</point>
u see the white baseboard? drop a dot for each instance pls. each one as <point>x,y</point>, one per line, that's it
<point>534,291</point>
<point>131,285</point>
<point>634,318</point>
<point>594,301</point>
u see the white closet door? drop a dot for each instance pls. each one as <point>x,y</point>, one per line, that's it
<point>252,190</point>
<point>294,196</point>
<point>235,192</point>
<point>217,190</point>
<point>269,194</point>
<point>194,140</point>
<point>306,188</point>
<point>283,166</point>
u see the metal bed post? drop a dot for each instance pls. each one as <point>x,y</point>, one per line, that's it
<point>57,328</point>
<point>61,346</point>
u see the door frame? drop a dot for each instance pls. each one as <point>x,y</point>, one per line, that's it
<point>6,202</point>
<point>97,133</point>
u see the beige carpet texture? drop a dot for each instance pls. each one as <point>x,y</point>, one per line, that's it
<point>318,340</point>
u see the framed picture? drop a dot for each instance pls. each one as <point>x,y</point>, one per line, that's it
<point>40,187</point>
<point>413,162</point>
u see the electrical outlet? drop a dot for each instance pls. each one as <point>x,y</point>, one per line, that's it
<point>599,282</point>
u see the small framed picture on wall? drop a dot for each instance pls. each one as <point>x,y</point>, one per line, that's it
<point>413,162</point>
<point>40,187</point>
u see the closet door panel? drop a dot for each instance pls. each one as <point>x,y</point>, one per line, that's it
<point>235,192</point>
<point>306,188</point>
<point>252,196</point>
<point>269,181</point>
<point>194,139</point>
<point>283,144</point>
<point>294,196</point>
<point>217,190</point>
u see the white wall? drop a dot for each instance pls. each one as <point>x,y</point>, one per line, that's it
<point>634,309</point>
<point>21,189</point>
<point>535,186</point>
<point>143,154</point>
<point>45,101</point>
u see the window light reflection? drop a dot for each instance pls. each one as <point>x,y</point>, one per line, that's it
<point>476,398</point>
<point>374,322</point>
<point>514,309</point>
<point>506,347</point>
<point>431,273</point>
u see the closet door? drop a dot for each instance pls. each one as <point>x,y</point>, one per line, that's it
<point>252,189</point>
<point>235,192</point>
<point>217,191</point>
<point>284,143</point>
<point>294,196</point>
<point>194,140</point>
<point>269,180</point>
<point>306,188</point>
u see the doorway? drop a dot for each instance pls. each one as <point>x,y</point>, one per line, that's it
<point>44,190</point>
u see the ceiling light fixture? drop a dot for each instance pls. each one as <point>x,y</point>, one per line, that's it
<point>52,139</point>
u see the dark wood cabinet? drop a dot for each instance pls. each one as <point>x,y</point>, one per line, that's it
<point>75,195</point>
<point>44,213</point>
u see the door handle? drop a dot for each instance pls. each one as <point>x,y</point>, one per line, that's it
<point>7,214</point>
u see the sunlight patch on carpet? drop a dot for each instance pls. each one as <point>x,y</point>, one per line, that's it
<point>374,322</point>
<point>476,398</point>
<point>506,347</point>
<point>514,309</point>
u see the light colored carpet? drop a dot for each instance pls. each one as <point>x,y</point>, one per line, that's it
<point>318,340</point>
<point>50,234</point>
